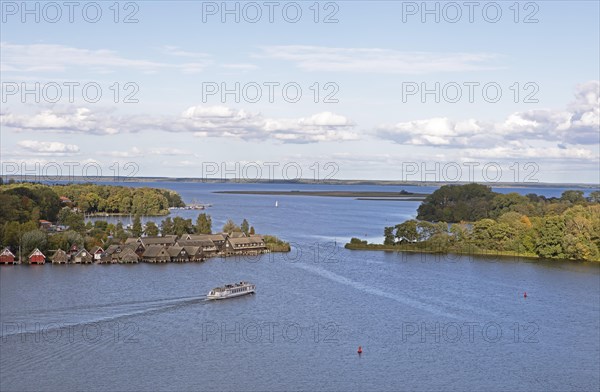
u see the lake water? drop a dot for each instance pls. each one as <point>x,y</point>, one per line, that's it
<point>424,322</point>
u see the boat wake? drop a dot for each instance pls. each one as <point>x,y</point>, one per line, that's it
<point>421,303</point>
<point>81,315</point>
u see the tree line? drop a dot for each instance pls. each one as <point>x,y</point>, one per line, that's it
<point>22,202</point>
<point>473,219</point>
<point>472,202</point>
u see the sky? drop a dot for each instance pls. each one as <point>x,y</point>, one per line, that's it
<point>377,90</point>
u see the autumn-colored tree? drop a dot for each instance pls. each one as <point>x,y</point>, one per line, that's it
<point>230,227</point>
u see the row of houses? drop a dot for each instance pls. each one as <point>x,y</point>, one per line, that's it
<point>165,249</point>
<point>72,256</point>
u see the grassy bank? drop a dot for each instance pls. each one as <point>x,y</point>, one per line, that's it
<point>274,244</point>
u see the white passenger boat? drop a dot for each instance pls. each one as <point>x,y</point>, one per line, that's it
<point>231,290</point>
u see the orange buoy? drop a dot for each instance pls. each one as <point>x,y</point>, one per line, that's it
<point>525,294</point>
<point>359,350</point>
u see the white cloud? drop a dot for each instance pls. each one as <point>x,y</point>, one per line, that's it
<point>202,121</point>
<point>209,111</point>
<point>168,151</point>
<point>579,125</point>
<point>136,152</point>
<point>324,126</point>
<point>320,58</point>
<point>60,58</point>
<point>176,51</point>
<point>133,152</point>
<point>81,120</point>
<point>48,147</point>
<point>535,153</point>
<point>436,132</point>
<point>241,66</point>
<point>325,119</point>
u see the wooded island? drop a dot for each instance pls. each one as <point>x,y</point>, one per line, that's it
<point>471,219</point>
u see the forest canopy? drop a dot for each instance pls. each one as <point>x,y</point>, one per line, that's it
<point>474,219</point>
<point>22,202</point>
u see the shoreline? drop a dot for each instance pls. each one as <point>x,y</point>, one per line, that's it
<point>117,214</point>
<point>299,181</point>
<point>272,248</point>
<point>480,253</point>
<point>358,195</point>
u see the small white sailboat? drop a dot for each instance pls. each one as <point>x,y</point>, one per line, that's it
<point>276,204</point>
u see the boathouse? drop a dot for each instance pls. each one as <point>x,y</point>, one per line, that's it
<point>60,257</point>
<point>156,254</point>
<point>252,245</point>
<point>37,257</point>
<point>7,257</point>
<point>82,257</point>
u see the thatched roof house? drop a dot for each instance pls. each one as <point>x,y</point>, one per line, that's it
<point>60,257</point>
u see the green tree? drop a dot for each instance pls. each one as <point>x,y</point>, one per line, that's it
<point>460,232</point>
<point>549,242</point>
<point>455,203</point>
<point>426,230</point>
<point>407,230</point>
<point>503,203</point>
<point>439,242</point>
<point>204,224</point>
<point>10,209</point>
<point>137,229</point>
<point>65,240</point>
<point>166,227</point>
<point>357,241</point>
<point>573,197</point>
<point>71,219</point>
<point>101,225</point>
<point>182,226</point>
<point>252,232</point>
<point>388,234</point>
<point>245,227</point>
<point>483,232</point>
<point>34,239</point>
<point>120,233</point>
<point>151,229</point>
<point>579,241</point>
<point>12,235</point>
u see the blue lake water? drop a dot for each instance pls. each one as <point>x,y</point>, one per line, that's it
<point>425,322</point>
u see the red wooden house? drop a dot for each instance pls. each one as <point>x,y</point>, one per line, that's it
<point>37,257</point>
<point>7,257</point>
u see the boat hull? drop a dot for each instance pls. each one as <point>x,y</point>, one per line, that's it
<point>232,295</point>
<point>231,291</point>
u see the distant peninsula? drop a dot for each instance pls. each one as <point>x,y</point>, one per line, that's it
<point>299,181</point>
<point>360,195</point>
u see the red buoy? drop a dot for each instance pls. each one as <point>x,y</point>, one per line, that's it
<point>359,350</point>
<point>525,294</point>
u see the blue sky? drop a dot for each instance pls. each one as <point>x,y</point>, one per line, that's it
<point>365,62</point>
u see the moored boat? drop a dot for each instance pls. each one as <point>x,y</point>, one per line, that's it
<point>231,290</point>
